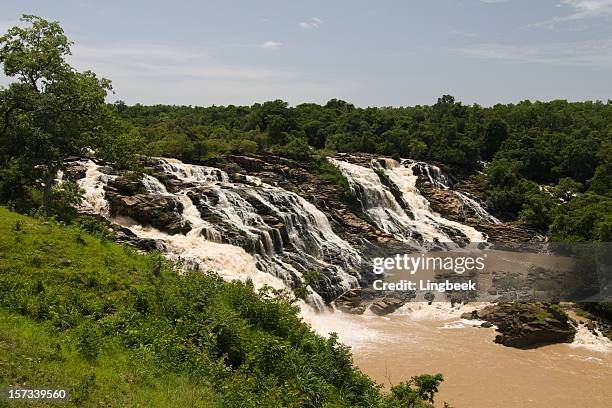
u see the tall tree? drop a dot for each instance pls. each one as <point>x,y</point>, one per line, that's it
<point>51,111</point>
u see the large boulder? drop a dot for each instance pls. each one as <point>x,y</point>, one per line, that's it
<point>351,302</point>
<point>75,170</point>
<point>127,185</point>
<point>161,212</point>
<point>387,305</point>
<point>525,325</point>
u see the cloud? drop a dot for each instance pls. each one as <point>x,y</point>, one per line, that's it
<point>270,45</point>
<point>588,8</point>
<point>311,23</point>
<point>582,53</point>
<point>151,73</point>
<point>579,10</point>
<point>164,63</point>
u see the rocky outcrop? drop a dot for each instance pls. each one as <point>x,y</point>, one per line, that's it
<point>448,204</point>
<point>357,301</point>
<point>386,305</point>
<point>525,325</point>
<point>126,197</point>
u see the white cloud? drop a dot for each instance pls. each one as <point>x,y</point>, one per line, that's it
<point>311,23</point>
<point>579,10</point>
<point>270,45</point>
<point>149,73</point>
<point>164,62</point>
<point>588,8</point>
<point>583,53</point>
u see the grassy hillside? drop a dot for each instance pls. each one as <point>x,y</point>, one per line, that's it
<point>116,328</point>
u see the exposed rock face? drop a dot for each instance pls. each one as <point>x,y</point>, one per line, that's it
<point>357,301</point>
<point>446,203</point>
<point>386,306</point>
<point>525,325</point>
<point>126,197</point>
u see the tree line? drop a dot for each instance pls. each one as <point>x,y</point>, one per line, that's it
<point>545,164</point>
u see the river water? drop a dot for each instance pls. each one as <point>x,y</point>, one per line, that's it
<point>477,372</point>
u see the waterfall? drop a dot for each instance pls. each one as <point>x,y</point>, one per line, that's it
<point>410,220</point>
<point>240,230</point>
<point>476,208</point>
<point>93,184</point>
<point>429,222</point>
<point>433,173</point>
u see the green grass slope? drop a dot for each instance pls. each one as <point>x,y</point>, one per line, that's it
<point>116,328</point>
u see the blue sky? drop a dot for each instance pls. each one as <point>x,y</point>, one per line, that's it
<point>371,53</point>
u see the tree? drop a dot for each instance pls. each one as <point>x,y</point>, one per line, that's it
<point>495,134</point>
<point>51,111</point>
<point>419,388</point>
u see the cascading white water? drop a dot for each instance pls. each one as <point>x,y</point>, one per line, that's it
<point>377,201</point>
<point>476,208</point>
<point>307,228</point>
<point>434,174</point>
<point>428,221</point>
<point>416,225</point>
<point>299,239</point>
<point>196,252</point>
<point>439,180</point>
<point>93,184</point>
<point>596,341</point>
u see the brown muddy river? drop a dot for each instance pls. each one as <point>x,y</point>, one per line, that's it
<point>478,372</point>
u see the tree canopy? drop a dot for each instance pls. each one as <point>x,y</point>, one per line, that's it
<point>51,111</point>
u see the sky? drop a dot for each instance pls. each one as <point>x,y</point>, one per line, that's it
<point>370,53</point>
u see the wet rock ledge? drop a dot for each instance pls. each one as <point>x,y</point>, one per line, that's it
<point>526,325</point>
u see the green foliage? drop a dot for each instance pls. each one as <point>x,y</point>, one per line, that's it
<point>331,173</point>
<point>601,182</point>
<point>567,188</point>
<point>420,388</point>
<point>295,148</point>
<point>119,329</point>
<point>585,218</point>
<point>536,210</point>
<point>601,309</point>
<point>512,196</point>
<point>51,111</point>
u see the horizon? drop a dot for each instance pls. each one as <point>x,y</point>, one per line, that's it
<point>482,52</point>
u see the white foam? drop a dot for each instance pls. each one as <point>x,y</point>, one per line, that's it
<point>586,339</point>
